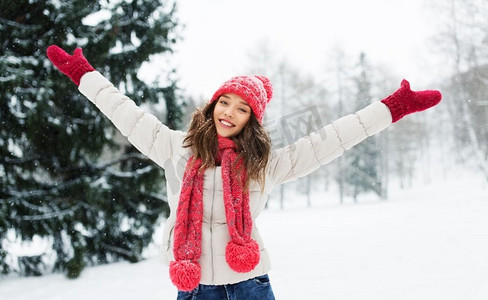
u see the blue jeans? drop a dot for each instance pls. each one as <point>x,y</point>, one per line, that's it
<point>258,288</point>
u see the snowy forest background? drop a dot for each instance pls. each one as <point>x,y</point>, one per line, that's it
<point>70,183</point>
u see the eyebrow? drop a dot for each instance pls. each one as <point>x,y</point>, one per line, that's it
<point>240,102</point>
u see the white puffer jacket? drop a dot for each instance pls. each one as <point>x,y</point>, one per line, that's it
<point>164,146</point>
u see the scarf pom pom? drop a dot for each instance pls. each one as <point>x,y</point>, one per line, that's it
<point>242,258</point>
<point>185,274</point>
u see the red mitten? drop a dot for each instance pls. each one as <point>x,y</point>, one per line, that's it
<point>74,66</point>
<point>405,101</point>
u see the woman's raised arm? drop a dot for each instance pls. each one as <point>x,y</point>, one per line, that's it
<point>144,131</point>
<point>319,148</point>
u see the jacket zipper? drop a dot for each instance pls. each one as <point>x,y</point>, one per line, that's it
<point>211,224</point>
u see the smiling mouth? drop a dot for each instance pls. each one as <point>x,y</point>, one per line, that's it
<point>226,124</point>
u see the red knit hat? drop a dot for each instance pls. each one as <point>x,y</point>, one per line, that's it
<point>255,90</point>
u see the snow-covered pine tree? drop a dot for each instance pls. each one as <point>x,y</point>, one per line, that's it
<point>57,181</point>
<point>362,165</point>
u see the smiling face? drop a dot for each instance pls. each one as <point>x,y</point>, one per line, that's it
<point>231,114</point>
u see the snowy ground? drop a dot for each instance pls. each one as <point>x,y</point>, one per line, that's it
<point>430,242</point>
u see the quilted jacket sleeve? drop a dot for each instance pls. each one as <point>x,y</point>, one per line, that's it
<point>319,148</point>
<point>144,131</point>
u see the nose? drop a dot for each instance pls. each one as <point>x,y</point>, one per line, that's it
<point>229,111</point>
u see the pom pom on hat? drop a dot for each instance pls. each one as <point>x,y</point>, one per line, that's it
<point>257,91</point>
<point>185,274</point>
<point>267,86</point>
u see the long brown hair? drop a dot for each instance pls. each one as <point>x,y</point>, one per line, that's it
<point>253,143</point>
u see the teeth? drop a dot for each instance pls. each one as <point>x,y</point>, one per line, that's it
<point>226,123</point>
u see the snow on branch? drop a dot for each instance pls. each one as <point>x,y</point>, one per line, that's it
<point>116,249</point>
<point>137,172</point>
<point>19,25</point>
<point>50,215</point>
<point>120,159</point>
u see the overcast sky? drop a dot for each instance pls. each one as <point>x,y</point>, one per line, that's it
<point>219,34</point>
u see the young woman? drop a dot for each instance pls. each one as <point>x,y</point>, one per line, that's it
<point>220,173</point>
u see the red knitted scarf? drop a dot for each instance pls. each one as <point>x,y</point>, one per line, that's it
<point>242,252</point>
